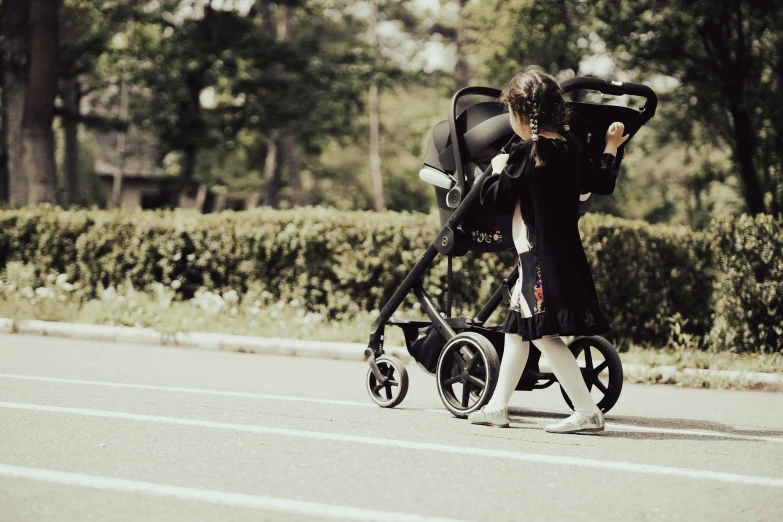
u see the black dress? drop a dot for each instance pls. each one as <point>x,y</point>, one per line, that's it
<point>556,294</point>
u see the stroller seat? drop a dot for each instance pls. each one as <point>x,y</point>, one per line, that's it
<point>485,129</point>
<point>481,126</point>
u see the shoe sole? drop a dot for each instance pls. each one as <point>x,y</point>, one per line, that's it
<point>583,430</point>
<point>490,424</point>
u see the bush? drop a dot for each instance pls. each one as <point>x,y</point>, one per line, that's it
<point>650,279</point>
<point>337,263</point>
<point>749,287</point>
<point>645,274</point>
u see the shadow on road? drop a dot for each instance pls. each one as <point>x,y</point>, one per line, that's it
<point>519,414</point>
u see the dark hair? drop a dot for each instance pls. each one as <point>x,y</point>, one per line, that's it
<point>535,94</point>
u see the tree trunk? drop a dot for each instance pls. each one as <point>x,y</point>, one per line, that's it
<point>287,145</point>
<point>122,137</point>
<point>271,174</point>
<point>290,156</point>
<point>266,18</point>
<point>186,172</point>
<point>15,29</point>
<point>37,134</point>
<point>3,156</point>
<point>73,185</point>
<point>688,204</point>
<point>461,72</point>
<point>379,204</point>
<point>744,150</point>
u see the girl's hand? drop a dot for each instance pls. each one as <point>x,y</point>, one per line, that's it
<point>499,163</point>
<point>615,138</point>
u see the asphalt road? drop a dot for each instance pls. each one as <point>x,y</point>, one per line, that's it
<point>107,431</point>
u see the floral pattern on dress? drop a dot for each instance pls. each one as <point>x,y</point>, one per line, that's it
<point>539,291</point>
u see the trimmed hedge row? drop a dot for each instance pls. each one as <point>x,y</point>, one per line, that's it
<point>749,288</point>
<point>645,274</point>
<point>337,263</point>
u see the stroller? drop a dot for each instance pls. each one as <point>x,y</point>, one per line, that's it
<point>463,353</point>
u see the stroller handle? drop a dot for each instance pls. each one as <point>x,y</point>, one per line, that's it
<point>618,89</point>
<point>454,196</point>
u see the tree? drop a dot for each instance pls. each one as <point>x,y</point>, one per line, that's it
<point>86,28</point>
<point>300,90</point>
<point>265,18</point>
<point>283,142</point>
<point>508,35</point>
<point>38,115</point>
<point>461,71</point>
<point>15,17</point>
<point>175,62</point>
<point>453,25</point>
<point>403,15</point>
<point>728,58</point>
<point>379,203</point>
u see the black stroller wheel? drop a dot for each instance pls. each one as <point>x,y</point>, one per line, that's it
<point>604,378</point>
<point>390,392</point>
<point>467,373</point>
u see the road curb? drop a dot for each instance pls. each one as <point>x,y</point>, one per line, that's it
<point>203,341</point>
<point>317,349</point>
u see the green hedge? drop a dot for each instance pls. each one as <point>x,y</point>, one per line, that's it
<point>645,274</point>
<point>338,263</point>
<point>749,286</point>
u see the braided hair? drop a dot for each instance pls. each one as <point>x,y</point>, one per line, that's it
<point>535,94</point>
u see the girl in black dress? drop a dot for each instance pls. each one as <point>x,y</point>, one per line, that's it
<point>541,179</point>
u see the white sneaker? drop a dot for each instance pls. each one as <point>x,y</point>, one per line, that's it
<point>578,423</point>
<point>486,417</point>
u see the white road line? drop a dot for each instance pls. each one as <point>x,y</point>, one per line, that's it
<point>203,391</point>
<point>701,433</point>
<point>280,505</point>
<point>422,446</point>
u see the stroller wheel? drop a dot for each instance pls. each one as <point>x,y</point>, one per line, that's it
<point>467,373</point>
<point>390,392</point>
<point>601,368</point>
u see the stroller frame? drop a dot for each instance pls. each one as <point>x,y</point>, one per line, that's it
<point>381,374</point>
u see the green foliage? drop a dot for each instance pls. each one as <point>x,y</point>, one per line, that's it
<point>509,35</point>
<point>407,116</point>
<point>656,283</point>
<point>749,285</point>
<point>176,62</point>
<point>728,58</point>
<point>645,274</point>
<point>337,263</point>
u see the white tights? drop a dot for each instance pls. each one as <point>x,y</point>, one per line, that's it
<point>562,361</point>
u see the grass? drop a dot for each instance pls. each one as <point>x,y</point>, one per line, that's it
<point>257,314</point>
<point>704,359</point>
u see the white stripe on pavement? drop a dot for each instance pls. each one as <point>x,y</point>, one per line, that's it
<point>423,446</point>
<point>203,391</point>
<point>298,507</point>
<point>700,433</point>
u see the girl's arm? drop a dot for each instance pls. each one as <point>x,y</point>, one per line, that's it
<point>501,188</point>
<point>600,177</point>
